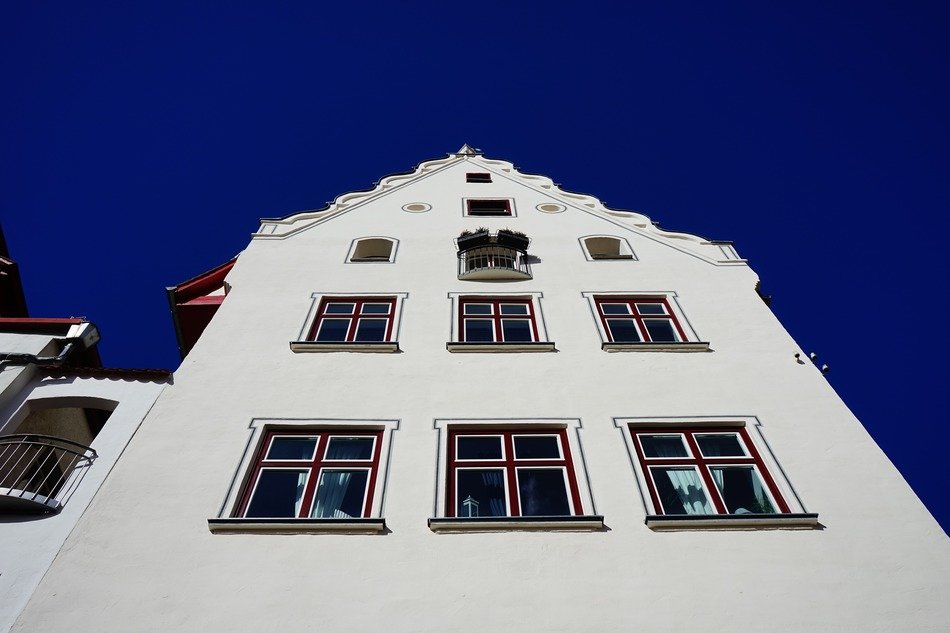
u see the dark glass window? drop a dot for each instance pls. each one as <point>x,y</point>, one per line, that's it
<point>497,320</point>
<point>488,207</point>
<point>635,327</point>
<point>316,473</point>
<point>532,476</point>
<point>719,473</point>
<point>354,319</point>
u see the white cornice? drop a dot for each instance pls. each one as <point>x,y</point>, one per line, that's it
<point>714,252</point>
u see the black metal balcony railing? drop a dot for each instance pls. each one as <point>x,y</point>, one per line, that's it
<point>38,473</point>
<point>493,262</point>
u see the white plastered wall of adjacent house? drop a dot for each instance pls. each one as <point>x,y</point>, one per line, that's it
<point>878,562</point>
<point>29,543</point>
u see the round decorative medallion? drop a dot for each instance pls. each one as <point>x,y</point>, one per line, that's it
<point>550,207</point>
<point>416,207</point>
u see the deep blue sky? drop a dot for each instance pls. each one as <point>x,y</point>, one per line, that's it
<point>139,144</point>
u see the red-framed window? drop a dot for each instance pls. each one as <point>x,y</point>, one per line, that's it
<point>497,320</point>
<point>488,207</point>
<point>478,177</point>
<point>354,319</point>
<point>313,474</point>
<point>511,472</point>
<point>705,471</point>
<point>638,320</point>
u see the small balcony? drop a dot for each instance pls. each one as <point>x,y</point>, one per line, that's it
<point>486,257</point>
<point>38,473</point>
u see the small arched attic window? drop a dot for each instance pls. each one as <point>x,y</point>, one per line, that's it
<point>606,247</point>
<point>373,249</point>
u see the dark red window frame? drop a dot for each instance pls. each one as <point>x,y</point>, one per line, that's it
<point>704,463</point>
<point>481,177</point>
<point>496,316</point>
<point>314,465</point>
<point>355,316</point>
<point>634,315</point>
<point>488,207</point>
<point>510,464</point>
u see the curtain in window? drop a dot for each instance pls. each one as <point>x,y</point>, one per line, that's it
<point>681,492</point>
<point>330,494</point>
<point>495,480</point>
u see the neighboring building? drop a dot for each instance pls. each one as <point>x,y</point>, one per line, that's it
<point>64,421</point>
<point>568,421</point>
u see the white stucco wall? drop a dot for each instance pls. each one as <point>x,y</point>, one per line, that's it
<point>29,543</point>
<point>143,558</point>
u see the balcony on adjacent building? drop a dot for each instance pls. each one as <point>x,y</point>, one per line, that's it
<point>483,256</point>
<point>38,473</point>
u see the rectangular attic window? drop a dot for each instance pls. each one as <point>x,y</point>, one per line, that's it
<point>488,207</point>
<point>477,177</point>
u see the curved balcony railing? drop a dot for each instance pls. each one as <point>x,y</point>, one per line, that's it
<point>38,473</point>
<point>493,262</point>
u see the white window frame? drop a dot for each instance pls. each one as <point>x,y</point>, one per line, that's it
<point>259,428</point>
<point>301,344</point>
<point>456,344</point>
<point>626,251</point>
<point>355,244</point>
<point>692,343</point>
<point>798,516</point>
<point>586,517</point>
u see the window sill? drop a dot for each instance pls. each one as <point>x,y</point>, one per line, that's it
<point>601,258</point>
<point>295,526</point>
<point>313,346</point>
<point>501,347</point>
<point>504,524</point>
<point>656,347</point>
<point>732,521</point>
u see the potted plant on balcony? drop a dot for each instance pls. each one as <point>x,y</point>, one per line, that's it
<point>471,239</point>
<point>512,239</point>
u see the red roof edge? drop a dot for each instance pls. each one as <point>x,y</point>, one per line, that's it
<point>190,315</point>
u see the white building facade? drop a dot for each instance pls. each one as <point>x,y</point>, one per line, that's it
<point>468,400</point>
<point>64,422</point>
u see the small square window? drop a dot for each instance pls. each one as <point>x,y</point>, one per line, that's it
<point>487,207</point>
<point>481,177</point>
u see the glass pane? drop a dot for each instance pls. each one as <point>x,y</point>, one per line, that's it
<point>292,448</point>
<point>623,330</point>
<point>742,490</point>
<point>681,491</point>
<point>476,447</point>
<point>543,492</point>
<point>651,308</point>
<point>278,493</point>
<point>663,446</point>
<point>350,448</point>
<point>340,308</point>
<point>480,493</point>
<point>661,331</point>
<point>615,308</point>
<point>477,308</point>
<point>340,494</point>
<point>537,447</point>
<point>375,308</point>
<point>516,330</point>
<point>479,331</point>
<point>725,445</point>
<point>333,329</point>
<point>514,308</point>
<point>371,330</point>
